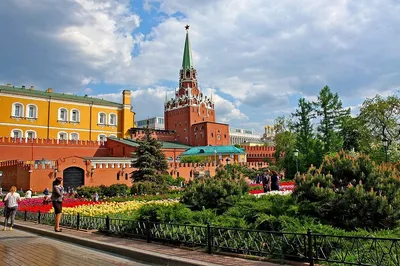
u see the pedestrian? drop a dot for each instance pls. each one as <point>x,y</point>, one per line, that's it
<point>275,181</point>
<point>96,197</point>
<point>11,201</point>
<point>266,181</point>
<point>46,198</point>
<point>28,193</point>
<point>57,199</point>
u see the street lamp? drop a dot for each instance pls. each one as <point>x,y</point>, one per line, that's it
<point>296,155</point>
<point>228,161</point>
<point>385,143</point>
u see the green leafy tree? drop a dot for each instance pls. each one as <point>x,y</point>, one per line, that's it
<point>194,159</point>
<point>150,160</point>
<point>331,113</point>
<point>285,144</point>
<point>303,127</point>
<point>381,117</point>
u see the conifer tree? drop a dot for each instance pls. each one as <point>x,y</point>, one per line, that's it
<point>150,160</point>
<point>331,113</point>
<point>303,127</point>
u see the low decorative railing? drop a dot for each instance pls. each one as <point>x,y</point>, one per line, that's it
<point>306,247</point>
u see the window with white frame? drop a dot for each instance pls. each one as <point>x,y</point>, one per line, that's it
<point>102,118</point>
<point>74,136</point>
<point>30,134</point>
<point>102,137</point>
<point>75,116</point>
<point>113,119</point>
<point>31,111</point>
<point>17,110</point>
<point>62,114</point>
<point>62,136</point>
<point>16,133</point>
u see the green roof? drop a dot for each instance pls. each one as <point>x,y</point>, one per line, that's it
<point>187,62</point>
<point>174,145</point>
<point>212,150</point>
<point>57,96</point>
<point>165,144</point>
<point>128,142</point>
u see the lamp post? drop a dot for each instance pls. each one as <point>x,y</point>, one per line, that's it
<point>296,155</point>
<point>385,143</point>
<point>228,161</point>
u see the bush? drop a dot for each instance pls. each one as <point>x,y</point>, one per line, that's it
<point>170,181</point>
<point>87,192</point>
<point>347,187</point>
<point>148,188</point>
<point>219,192</point>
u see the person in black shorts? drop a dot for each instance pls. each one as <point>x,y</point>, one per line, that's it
<point>57,199</point>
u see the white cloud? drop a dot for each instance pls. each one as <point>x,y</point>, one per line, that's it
<point>254,54</point>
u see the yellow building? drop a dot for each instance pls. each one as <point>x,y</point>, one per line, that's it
<point>29,113</point>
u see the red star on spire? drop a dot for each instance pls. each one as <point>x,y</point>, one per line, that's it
<point>187,27</point>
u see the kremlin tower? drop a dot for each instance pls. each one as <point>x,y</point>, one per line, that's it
<point>190,113</point>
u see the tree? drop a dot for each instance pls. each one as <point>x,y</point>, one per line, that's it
<point>331,113</point>
<point>150,162</point>
<point>382,117</point>
<point>285,142</point>
<point>303,128</point>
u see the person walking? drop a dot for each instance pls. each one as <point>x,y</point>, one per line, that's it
<point>266,181</point>
<point>57,199</point>
<point>275,181</point>
<point>11,202</point>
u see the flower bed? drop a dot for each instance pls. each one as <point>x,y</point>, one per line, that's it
<point>36,204</point>
<point>115,209</point>
<point>256,189</point>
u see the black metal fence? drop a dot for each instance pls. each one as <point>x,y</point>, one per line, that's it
<point>307,247</point>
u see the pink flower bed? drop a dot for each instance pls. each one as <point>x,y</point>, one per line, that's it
<point>283,186</point>
<point>36,204</point>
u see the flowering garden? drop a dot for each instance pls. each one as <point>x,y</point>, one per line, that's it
<point>327,201</point>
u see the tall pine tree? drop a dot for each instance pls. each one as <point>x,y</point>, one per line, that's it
<point>303,128</point>
<point>331,113</point>
<point>150,160</point>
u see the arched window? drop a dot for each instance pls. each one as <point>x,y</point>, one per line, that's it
<point>62,136</point>
<point>75,116</point>
<point>17,110</point>
<point>16,133</point>
<point>102,118</point>
<point>62,114</point>
<point>30,134</point>
<point>74,136</point>
<point>113,120</point>
<point>126,176</point>
<point>102,137</point>
<point>118,175</point>
<point>32,111</point>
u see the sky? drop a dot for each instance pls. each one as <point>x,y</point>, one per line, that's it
<point>256,57</point>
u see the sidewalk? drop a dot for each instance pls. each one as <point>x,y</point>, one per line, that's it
<point>140,250</point>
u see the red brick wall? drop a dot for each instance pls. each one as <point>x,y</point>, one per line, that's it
<point>26,150</point>
<point>184,169</point>
<point>258,153</point>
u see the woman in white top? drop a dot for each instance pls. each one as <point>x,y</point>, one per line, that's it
<point>11,203</point>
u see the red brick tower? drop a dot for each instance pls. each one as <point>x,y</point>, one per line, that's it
<point>190,113</point>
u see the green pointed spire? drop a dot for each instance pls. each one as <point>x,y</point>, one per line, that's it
<point>187,62</point>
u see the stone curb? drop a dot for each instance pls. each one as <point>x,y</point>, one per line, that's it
<point>133,253</point>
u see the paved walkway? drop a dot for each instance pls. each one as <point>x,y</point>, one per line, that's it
<point>20,248</point>
<point>138,249</point>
